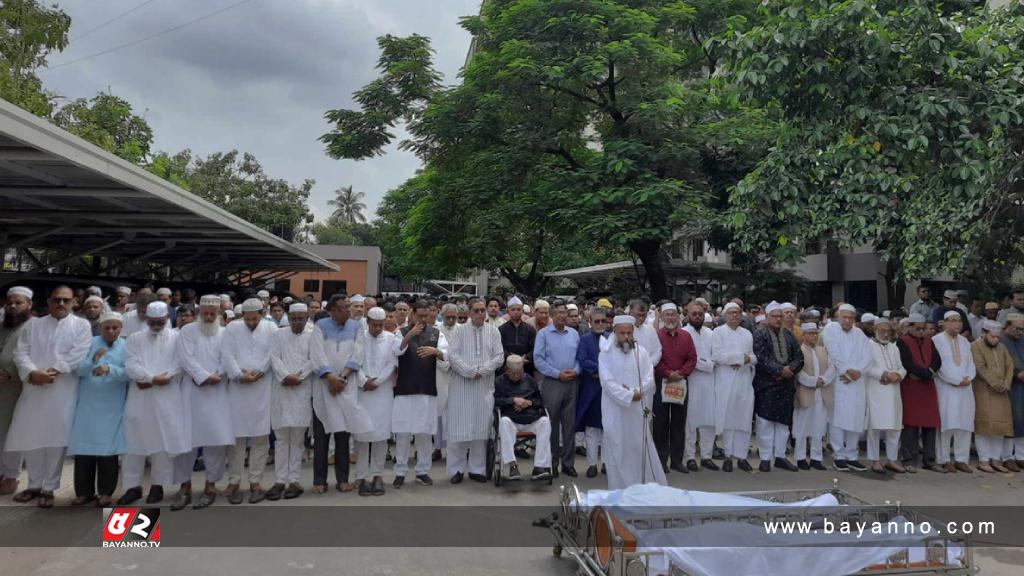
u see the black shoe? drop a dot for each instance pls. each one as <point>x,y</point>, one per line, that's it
<point>133,495</point>
<point>727,465</point>
<point>293,491</point>
<point>679,468</point>
<point>554,470</point>
<point>478,478</point>
<point>840,465</point>
<point>569,471</point>
<point>717,453</point>
<point>435,456</point>
<point>856,466</point>
<point>457,477</point>
<point>581,451</point>
<point>691,465</point>
<point>604,470</point>
<point>540,474</point>
<point>275,492</point>
<point>181,501</point>
<point>378,486</point>
<point>803,465</point>
<point>424,480</point>
<point>513,473</point>
<point>365,489</point>
<point>199,465</point>
<point>592,472</point>
<point>764,466</point>
<point>785,464</point>
<point>156,494</point>
<point>817,465</point>
<point>709,464</point>
<point>744,465</point>
<point>399,481</point>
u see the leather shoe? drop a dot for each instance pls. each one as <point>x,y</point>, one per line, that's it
<point>709,464</point>
<point>964,467</point>
<point>275,492</point>
<point>156,494</point>
<point>365,489</point>
<point>744,465</point>
<point>937,468</point>
<point>785,464</point>
<point>293,491</point>
<point>378,486</point>
<point>817,465</point>
<point>679,468</point>
<point>457,477</point>
<point>130,496</point>
<point>803,465</point>
<point>1011,466</point>
<point>764,466</point>
<point>592,472</point>
<point>479,478</point>
<point>727,465</point>
<point>691,465</point>
<point>570,471</point>
<point>399,481</point>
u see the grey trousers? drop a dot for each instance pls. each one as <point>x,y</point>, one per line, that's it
<point>560,400</point>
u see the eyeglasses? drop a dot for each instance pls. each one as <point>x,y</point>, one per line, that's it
<point>599,321</point>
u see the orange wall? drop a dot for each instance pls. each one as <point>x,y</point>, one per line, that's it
<point>352,271</point>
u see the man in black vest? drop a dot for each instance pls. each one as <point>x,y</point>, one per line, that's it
<point>415,408</point>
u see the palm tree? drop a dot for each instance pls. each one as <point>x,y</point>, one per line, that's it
<point>347,206</point>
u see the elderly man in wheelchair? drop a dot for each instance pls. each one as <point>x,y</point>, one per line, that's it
<point>520,409</point>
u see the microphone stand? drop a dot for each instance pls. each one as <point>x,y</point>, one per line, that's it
<point>647,416</point>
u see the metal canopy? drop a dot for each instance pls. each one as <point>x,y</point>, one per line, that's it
<point>61,193</point>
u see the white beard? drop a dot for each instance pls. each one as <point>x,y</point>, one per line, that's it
<point>208,328</point>
<point>626,346</point>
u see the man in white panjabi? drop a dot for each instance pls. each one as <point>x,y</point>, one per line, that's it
<point>814,399</point>
<point>449,321</point>
<point>475,352</point>
<point>47,355</point>
<point>135,320</point>
<point>645,334</point>
<point>17,311</point>
<point>956,396</point>
<point>700,390</point>
<point>884,402</point>
<point>732,349</point>
<point>377,397</point>
<point>296,359</point>
<point>848,352</point>
<point>200,346</point>
<point>627,395</point>
<point>246,357</point>
<point>157,413</point>
<point>357,309</point>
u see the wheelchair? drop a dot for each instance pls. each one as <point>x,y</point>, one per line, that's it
<point>525,441</point>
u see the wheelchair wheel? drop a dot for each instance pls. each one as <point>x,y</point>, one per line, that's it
<point>497,474</point>
<point>489,465</point>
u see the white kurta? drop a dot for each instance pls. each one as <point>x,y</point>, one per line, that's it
<point>885,406</point>
<point>848,350</point>
<point>246,349</point>
<point>647,337</point>
<point>956,403</point>
<point>472,350</point>
<point>298,354</point>
<point>734,390</point>
<point>700,385</point>
<point>378,361</point>
<point>417,413</point>
<point>200,357</point>
<point>444,371</point>
<point>626,432</point>
<point>132,324</point>
<point>43,415</point>
<point>341,413</point>
<point>156,419</point>
<point>813,422</point>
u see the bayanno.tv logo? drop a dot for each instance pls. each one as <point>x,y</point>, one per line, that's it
<point>131,528</point>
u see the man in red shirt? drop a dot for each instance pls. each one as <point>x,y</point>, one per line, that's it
<point>678,360</point>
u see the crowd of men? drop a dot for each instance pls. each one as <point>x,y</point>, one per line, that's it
<point>640,389</point>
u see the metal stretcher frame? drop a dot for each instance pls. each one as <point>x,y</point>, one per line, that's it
<point>576,535</point>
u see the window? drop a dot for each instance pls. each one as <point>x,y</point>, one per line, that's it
<point>332,287</point>
<point>310,285</point>
<point>283,285</point>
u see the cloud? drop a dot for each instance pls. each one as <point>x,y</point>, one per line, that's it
<point>257,77</point>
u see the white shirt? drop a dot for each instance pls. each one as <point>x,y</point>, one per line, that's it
<point>378,362</point>
<point>956,403</point>
<point>298,354</point>
<point>700,409</point>
<point>200,357</point>
<point>885,405</point>
<point>157,419</point>
<point>734,393</point>
<point>647,337</point>
<point>246,349</point>
<point>848,350</point>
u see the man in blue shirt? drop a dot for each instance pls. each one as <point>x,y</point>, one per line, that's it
<point>588,401</point>
<point>554,356</point>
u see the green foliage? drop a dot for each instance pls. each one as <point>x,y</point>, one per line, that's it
<point>358,234</point>
<point>29,32</point>
<point>238,184</point>
<point>108,122</point>
<point>903,131</point>
<point>348,208</point>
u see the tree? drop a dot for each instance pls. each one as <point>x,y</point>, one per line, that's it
<point>902,131</point>
<point>29,33</point>
<point>108,122</point>
<point>347,206</point>
<point>358,234</point>
<point>579,124</point>
<point>239,185</point>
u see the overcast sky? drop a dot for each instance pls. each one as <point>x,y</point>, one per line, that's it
<point>257,77</point>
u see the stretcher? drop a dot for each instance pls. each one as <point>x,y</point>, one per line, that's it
<point>606,538</point>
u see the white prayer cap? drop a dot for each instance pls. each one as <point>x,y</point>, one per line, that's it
<point>669,306</point>
<point>357,299</point>
<point>809,327</point>
<point>759,318</point>
<point>94,290</point>
<point>526,308</point>
<point>623,319</point>
<point>156,309</point>
<point>229,314</point>
<point>572,307</point>
<point>298,307</point>
<point>323,304</point>
<point>111,317</point>
<point>237,309</point>
<point>917,318</point>
<point>225,298</point>
<point>787,306</point>
<point>881,321</point>
<point>376,313</point>
<point>210,300</point>
<point>951,314</point>
<point>263,294</point>
<point>905,322</point>
<point>252,305</point>
<point>731,306</point>
<point>992,326</point>
<point>886,314</point>
<point>702,301</point>
<point>514,301</point>
<point>771,307</point>
<point>868,318</point>
<point>288,299</point>
<point>708,318</point>
<point>847,308</point>
<point>163,291</point>
<point>1014,317</point>
<point>93,298</point>
<point>124,290</point>
<point>950,294</point>
<point>541,305</point>
<point>814,312</point>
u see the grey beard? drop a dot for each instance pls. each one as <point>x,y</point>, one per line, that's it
<point>626,346</point>
<point>208,328</point>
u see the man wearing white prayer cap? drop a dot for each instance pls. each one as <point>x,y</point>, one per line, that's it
<point>789,319</point>
<point>377,365</point>
<point>956,399</point>
<point>701,401</point>
<point>814,399</point>
<point>246,356</point>
<point>541,315</point>
<point>264,297</point>
<point>884,402</point>
<point>849,353</point>
<point>17,311</point>
<point>778,361</point>
<point>200,347</point>
<point>677,359</point>
<point>950,298</point>
<point>91,311</point>
<point>993,416</point>
<point>733,352</point>
<point>121,297</point>
<point>357,308</point>
<point>47,356</point>
<point>867,324</point>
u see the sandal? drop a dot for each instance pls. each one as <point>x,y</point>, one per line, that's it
<point>27,495</point>
<point>104,502</point>
<point>83,500</point>
<point>344,487</point>
<point>319,489</point>
<point>45,500</point>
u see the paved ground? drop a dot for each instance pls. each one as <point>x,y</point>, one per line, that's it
<point>921,489</point>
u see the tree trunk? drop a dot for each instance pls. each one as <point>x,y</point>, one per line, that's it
<point>895,287</point>
<point>649,253</point>
<point>532,285</point>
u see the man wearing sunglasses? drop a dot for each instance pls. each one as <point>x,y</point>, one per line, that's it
<point>588,402</point>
